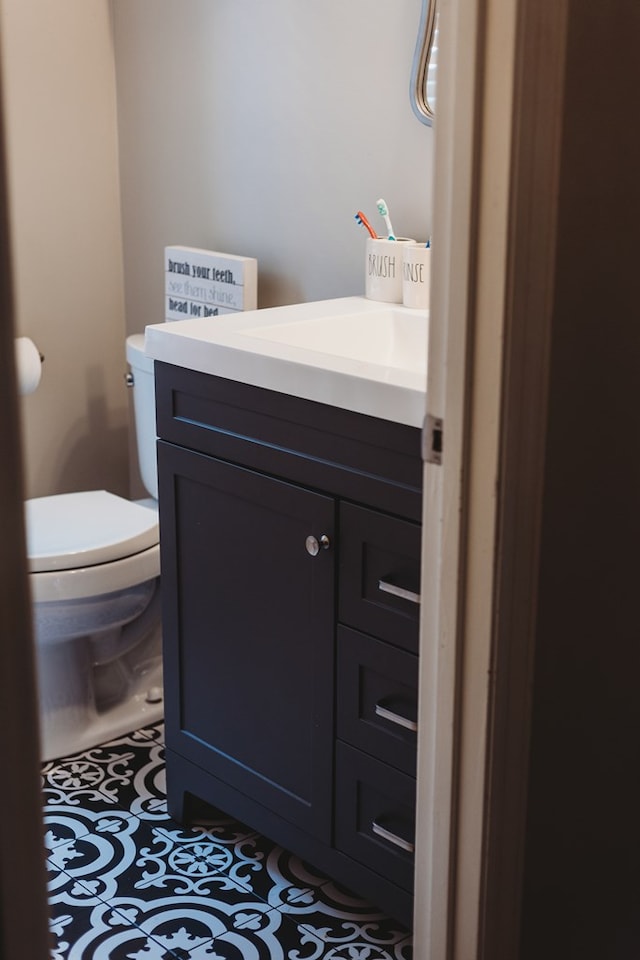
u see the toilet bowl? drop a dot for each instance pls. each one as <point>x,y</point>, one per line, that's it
<point>94,573</point>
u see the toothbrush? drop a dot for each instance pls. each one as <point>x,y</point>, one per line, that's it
<point>361,219</point>
<point>383,210</point>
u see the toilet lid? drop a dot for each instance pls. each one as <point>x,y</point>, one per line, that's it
<point>83,529</point>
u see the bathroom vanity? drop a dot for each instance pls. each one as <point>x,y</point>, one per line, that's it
<point>290,541</point>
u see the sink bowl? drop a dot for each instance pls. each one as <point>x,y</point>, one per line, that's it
<point>388,337</point>
<point>353,353</point>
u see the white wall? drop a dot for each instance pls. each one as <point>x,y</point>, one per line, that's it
<point>259,128</point>
<point>256,128</point>
<point>59,93</point>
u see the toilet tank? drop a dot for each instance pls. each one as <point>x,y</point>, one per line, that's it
<point>144,406</point>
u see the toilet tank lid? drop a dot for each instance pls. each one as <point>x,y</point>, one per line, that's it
<point>84,529</point>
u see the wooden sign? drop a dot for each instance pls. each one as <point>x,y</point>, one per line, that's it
<point>204,283</point>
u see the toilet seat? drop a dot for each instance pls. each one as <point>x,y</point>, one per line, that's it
<point>89,543</point>
<point>72,530</point>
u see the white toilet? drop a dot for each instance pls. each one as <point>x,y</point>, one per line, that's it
<point>94,562</point>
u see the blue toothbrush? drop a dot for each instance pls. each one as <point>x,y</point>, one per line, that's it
<point>362,220</point>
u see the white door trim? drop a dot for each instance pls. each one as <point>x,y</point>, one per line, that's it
<point>498,143</point>
<point>473,151</point>
<point>453,269</point>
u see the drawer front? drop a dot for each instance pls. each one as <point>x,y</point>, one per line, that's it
<point>380,575</point>
<point>347,454</point>
<point>375,815</point>
<point>378,698</point>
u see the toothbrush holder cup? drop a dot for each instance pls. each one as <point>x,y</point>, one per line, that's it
<point>416,276</point>
<point>383,268</point>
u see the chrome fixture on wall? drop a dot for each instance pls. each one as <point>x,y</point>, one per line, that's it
<point>423,71</point>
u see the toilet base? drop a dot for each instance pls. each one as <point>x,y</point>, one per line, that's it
<point>71,729</point>
<point>97,685</point>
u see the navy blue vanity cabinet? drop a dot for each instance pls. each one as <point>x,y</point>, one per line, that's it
<point>290,545</point>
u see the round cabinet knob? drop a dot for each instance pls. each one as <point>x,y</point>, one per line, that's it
<point>314,546</point>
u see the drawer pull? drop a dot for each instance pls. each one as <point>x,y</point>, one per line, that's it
<point>397,718</point>
<point>398,591</point>
<point>392,837</point>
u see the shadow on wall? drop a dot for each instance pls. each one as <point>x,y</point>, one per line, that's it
<point>93,451</point>
<point>275,289</point>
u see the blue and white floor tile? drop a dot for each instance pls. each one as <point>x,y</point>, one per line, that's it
<point>128,883</point>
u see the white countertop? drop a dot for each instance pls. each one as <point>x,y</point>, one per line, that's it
<point>251,347</point>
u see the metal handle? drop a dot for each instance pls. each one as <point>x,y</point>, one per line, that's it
<point>396,718</point>
<point>392,837</point>
<point>129,379</point>
<point>422,92</point>
<point>398,591</point>
<point>314,546</point>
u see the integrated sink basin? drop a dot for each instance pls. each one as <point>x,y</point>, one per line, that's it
<point>387,337</point>
<point>353,353</point>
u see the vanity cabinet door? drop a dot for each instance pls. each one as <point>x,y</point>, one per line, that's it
<point>249,630</point>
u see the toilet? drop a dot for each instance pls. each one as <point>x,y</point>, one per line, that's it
<point>94,573</point>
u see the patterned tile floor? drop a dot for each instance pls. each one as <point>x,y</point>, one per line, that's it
<point>128,883</point>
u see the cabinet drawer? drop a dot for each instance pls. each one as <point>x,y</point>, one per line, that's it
<point>375,815</point>
<point>380,575</point>
<point>378,698</point>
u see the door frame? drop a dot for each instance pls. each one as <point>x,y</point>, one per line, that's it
<point>498,137</point>
<point>24,930</point>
